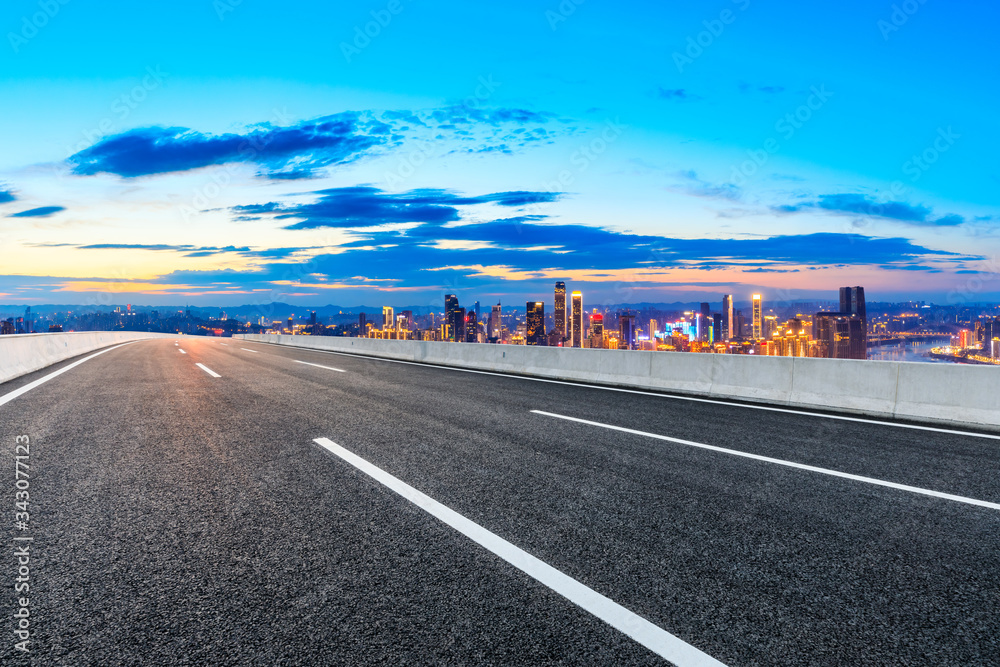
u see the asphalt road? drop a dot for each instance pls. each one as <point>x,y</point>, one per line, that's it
<point>184,519</point>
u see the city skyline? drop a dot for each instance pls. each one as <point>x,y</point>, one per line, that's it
<point>386,154</point>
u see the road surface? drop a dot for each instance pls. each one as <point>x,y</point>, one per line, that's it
<point>214,501</point>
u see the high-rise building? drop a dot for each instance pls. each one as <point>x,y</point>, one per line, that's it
<point>362,321</point>
<point>495,322</point>
<point>597,325</point>
<point>458,332</point>
<point>559,314</point>
<point>852,300</point>
<point>990,330</point>
<point>967,339</point>
<point>626,331</point>
<point>577,319</point>
<point>758,331</point>
<point>717,328</point>
<point>728,318</point>
<point>471,327</point>
<point>653,328</point>
<point>596,338</point>
<point>839,335</point>
<point>451,317</point>
<point>995,348</point>
<point>705,322</point>
<point>535,332</point>
<point>388,318</point>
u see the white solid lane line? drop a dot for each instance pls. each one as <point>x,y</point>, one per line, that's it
<point>675,397</point>
<point>226,344</point>
<point>782,462</point>
<point>181,351</point>
<point>208,370</point>
<point>329,368</point>
<point>654,638</point>
<point>7,398</point>
<point>249,350</point>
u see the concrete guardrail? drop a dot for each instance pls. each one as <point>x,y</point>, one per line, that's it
<point>952,394</point>
<point>21,354</point>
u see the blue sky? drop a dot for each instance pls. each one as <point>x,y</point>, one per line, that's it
<point>226,152</point>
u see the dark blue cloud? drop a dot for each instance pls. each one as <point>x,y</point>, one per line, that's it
<point>7,196</point>
<point>304,149</point>
<point>575,247</point>
<point>363,206</point>
<point>694,185</point>
<point>296,149</point>
<point>863,205</point>
<point>41,212</point>
<point>676,94</point>
<point>185,249</point>
<point>412,262</point>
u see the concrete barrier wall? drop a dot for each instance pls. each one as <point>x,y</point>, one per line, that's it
<point>25,353</point>
<point>953,394</point>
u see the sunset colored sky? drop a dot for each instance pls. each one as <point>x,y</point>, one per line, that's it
<point>233,152</point>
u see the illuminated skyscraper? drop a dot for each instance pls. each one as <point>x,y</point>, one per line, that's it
<point>451,316</point>
<point>597,325</point>
<point>704,322</point>
<point>388,319</point>
<point>840,335</point>
<point>577,320</point>
<point>560,309</point>
<point>852,301</point>
<point>626,331</point>
<point>990,330</point>
<point>471,327</point>
<point>596,338</point>
<point>728,318</point>
<point>535,333</point>
<point>757,320</point>
<point>495,322</point>
<point>458,332</point>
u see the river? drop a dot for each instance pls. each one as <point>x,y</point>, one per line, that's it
<point>907,352</point>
